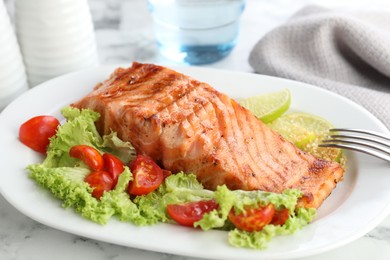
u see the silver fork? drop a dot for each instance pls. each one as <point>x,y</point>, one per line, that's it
<point>365,141</point>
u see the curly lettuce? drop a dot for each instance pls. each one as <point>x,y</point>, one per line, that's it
<point>64,177</point>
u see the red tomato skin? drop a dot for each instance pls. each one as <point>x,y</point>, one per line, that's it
<point>188,213</point>
<point>280,217</point>
<point>252,219</point>
<point>35,132</point>
<point>89,155</point>
<point>147,176</point>
<point>100,181</point>
<point>113,165</point>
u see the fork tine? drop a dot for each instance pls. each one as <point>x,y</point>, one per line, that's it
<point>361,143</point>
<point>369,142</point>
<point>361,137</point>
<point>358,149</point>
<point>368,132</point>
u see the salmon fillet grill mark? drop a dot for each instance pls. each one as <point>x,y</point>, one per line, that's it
<point>186,125</point>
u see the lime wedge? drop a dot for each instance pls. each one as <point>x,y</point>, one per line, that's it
<point>307,131</point>
<point>268,107</point>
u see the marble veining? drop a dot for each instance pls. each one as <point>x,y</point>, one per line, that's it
<point>380,233</point>
<point>124,33</point>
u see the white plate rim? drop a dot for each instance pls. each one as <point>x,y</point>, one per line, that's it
<point>220,79</point>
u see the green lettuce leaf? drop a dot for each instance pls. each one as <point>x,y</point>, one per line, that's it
<point>260,239</point>
<point>64,177</point>
<point>118,199</point>
<point>79,129</point>
<point>237,200</point>
<point>67,184</point>
<point>114,145</point>
<point>176,189</point>
<point>182,188</point>
<point>217,218</point>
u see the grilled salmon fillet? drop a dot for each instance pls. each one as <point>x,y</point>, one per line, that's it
<point>186,125</point>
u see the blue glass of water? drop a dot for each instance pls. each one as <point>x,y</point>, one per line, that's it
<point>196,31</point>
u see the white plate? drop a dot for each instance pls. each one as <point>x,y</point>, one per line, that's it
<point>355,207</point>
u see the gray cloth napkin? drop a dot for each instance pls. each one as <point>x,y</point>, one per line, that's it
<point>347,52</point>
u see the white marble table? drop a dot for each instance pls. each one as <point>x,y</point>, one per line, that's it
<point>123,32</point>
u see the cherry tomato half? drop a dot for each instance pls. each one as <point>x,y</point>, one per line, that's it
<point>280,217</point>
<point>188,213</point>
<point>100,181</point>
<point>252,219</point>
<point>113,165</point>
<point>89,155</point>
<point>147,175</point>
<point>35,132</point>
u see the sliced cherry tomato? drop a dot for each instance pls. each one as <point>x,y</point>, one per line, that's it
<point>252,219</point>
<point>280,217</point>
<point>89,155</point>
<point>100,181</point>
<point>113,165</point>
<point>147,175</point>
<point>35,132</point>
<point>188,213</point>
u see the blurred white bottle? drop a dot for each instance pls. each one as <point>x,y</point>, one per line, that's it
<point>13,79</point>
<point>56,37</point>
